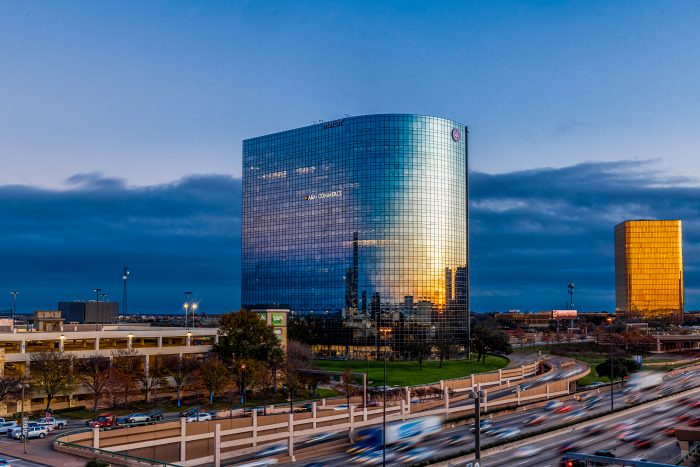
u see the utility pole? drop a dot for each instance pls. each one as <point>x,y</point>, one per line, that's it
<point>188,305</point>
<point>612,365</point>
<point>125,276</point>
<point>97,302</point>
<point>14,305</point>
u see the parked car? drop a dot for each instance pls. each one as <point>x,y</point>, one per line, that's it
<point>32,432</point>
<point>4,426</point>
<point>53,423</point>
<point>200,417</point>
<point>190,411</point>
<point>16,431</point>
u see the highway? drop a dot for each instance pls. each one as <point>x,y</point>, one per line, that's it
<point>545,453</point>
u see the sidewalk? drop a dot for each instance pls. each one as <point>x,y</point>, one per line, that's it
<point>41,452</point>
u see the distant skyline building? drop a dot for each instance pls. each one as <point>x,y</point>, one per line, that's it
<point>649,270</point>
<point>89,311</point>
<point>362,221</point>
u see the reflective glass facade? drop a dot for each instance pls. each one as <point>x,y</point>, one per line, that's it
<point>360,224</point>
<point>649,269</point>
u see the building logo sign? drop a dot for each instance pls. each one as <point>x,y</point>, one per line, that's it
<point>328,194</point>
<point>334,123</point>
<point>456,135</point>
<point>277,319</point>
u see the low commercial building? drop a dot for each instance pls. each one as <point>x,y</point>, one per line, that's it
<point>87,340</point>
<point>89,311</point>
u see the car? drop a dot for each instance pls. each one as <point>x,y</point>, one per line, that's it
<point>16,431</point>
<point>643,442</point>
<point>595,429</point>
<point>576,414</point>
<point>486,426</point>
<point>457,440</point>
<point>4,426</point>
<point>535,420</point>
<point>604,453</point>
<point>508,433</point>
<point>138,418</point>
<point>555,404</point>
<point>53,423</point>
<point>103,420</point>
<point>190,411</point>
<point>566,462</point>
<point>155,414</point>
<point>273,450</point>
<point>32,432</point>
<point>629,436</point>
<point>199,417</point>
<point>564,409</point>
<point>527,451</point>
<point>669,431</point>
<point>568,447</point>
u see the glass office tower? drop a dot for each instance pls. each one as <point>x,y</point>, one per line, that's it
<point>649,270</point>
<point>359,226</point>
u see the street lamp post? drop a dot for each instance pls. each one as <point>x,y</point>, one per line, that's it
<point>477,395</point>
<point>24,386</point>
<point>14,304</point>
<point>194,311</point>
<point>243,388</point>
<point>612,365</point>
<point>188,305</point>
<point>384,332</point>
<point>125,276</point>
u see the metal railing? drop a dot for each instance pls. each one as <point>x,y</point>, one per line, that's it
<point>105,454</point>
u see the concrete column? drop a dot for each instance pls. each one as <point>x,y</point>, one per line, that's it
<point>403,410</point>
<point>351,421</point>
<point>188,339</point>
<point>547,391</point>
<point>522,371</point>
<point>323,403</point>
<point>183,441</point>
<point>408,396</point>
<point>684,445</point>
<point>128,342</point>
<point>290,440</point>
<point>26,368</point>
<point>216,338</point>
<point>96,438</point>
<point>60,344</point>
<point>255,427</point>
<point>446,396</point>
<point>442,384</point>
<point>485,404</point>
<point>23,347</point>
<point>217,445</point>
<point>146,366</point>
<point>97,343</point>
<point>365,412</point>
<point>313,415</point>
<point>160,341</point>
<point>517,393</point>
<point>500,376</point>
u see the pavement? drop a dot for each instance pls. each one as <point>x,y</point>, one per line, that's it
<point>40,451</point>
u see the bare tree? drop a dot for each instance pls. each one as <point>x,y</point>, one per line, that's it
<point>93,373</point>
<point>149,382</point>
<point>183,370</point>
<point>346,386</point>
<point>214,375</point>
<point>10,388</point>
<point>52,373</point>
<point>298,357</point>
<point>128,364</point>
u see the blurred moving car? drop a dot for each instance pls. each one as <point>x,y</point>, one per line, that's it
<point>199,417</point>
<point>527,451</point>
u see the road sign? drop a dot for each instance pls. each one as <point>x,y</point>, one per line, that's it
<point>25,424</point>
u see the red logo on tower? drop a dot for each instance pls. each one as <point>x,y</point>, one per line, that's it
<point>456,135</point>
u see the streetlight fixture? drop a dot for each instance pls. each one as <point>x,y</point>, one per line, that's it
<point>384,331</point>
<point>24,385</point>
<point>612,364</point>
<point>125,276</point>
<point>477,396</point>
<point>187,306</point>
<point>14,304</point>
<point>194,311</point>
<point>243,389</point>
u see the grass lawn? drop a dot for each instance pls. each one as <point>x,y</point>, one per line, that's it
<point>409,373</point>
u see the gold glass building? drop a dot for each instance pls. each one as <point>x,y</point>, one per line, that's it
<point>649,270</point>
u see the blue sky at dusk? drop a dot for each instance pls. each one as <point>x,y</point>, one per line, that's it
<point>121,127</point>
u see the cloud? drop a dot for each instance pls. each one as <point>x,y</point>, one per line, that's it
<point>532,232</point>
<point>185,235</point>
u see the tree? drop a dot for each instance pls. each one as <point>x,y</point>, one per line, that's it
<point>52,373</point>
<point>93,373</point>
<point>622,367</point>
<point>346,386</point>
<point>214,374</point>
<point>298,357</point>
<point>10,388</point>
<point>519,334</point>
<point>128,364</point>
<point>149,382</point>
<point>244,336</point>
<point>183,371</point>
<point>486,340</point>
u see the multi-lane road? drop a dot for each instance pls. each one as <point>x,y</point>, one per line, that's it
<point>648,424</point>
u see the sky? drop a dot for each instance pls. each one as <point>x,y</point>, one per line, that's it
<point>121,126</point>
